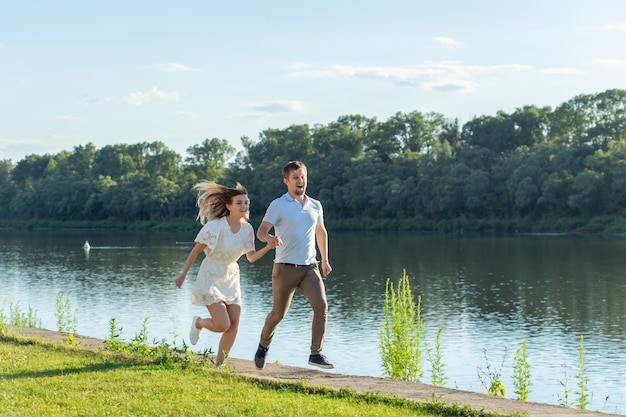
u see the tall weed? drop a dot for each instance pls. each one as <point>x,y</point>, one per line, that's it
<point>564,399</point>
<point>17,317</point>
<point>401,333</point>
<point>66,318</point>
<point>521,373</point>
<point>3,323</point>
<point>162,352</point>
<point>491,377</point>
<point>436,362</point>
<point>582,393</point>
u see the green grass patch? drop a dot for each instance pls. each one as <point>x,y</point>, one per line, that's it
<point>40,378</point>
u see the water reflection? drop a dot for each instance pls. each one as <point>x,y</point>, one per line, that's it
<point>488,294</point>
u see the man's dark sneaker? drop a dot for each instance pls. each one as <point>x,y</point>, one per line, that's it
<point>259,357</point>
<point>321,361</point>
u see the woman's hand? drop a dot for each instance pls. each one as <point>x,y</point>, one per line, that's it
<point>179,281</point>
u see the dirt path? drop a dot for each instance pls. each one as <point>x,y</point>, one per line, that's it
<point>409,390</point>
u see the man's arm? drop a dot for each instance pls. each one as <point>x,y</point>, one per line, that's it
<point>321,237</point>
<point>263,233</point>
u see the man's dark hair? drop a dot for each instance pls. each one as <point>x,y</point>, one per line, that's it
<point>292,166</point>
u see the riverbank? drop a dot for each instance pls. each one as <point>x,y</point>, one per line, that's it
<point>360,384</point>
<point>610,226</point>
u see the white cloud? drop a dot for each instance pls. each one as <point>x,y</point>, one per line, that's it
<point>611,63</point>
<point>173,67</point>
<point>506,68</point>
<point>562,71</point>
<point>445,76</point>
<point>447,42</point>
<point>186,114</point>
<point>72,119</point>
<point>141,97</point>
<point>299,66</point>
<point>279,106</point>
<point>86,100</point>
<point>617,27</point>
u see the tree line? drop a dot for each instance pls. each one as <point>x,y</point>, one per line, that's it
<point>536,169</point>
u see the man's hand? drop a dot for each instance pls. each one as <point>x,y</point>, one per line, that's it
<point>326,268</point>
<point>275,241</point>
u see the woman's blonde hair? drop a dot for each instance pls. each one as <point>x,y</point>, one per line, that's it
<point>213,198</point>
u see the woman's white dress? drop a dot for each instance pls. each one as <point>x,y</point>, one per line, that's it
<point>218,277</point>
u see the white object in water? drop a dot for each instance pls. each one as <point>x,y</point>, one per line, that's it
<point>86,246</point>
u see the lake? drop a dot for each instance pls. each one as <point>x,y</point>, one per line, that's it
<point>488,294</point>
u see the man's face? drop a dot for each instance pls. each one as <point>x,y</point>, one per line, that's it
<point>296,182</point>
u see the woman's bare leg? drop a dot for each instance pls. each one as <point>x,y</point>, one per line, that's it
<point>219,320</point>
<point>228,337</point>
<point>224,319</point>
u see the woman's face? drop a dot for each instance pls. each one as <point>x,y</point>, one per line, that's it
<point>239,206</point>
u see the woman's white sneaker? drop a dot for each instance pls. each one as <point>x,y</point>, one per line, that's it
<point>194,332</point>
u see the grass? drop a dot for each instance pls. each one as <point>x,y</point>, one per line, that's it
<point>42,378</point>
<point>401,337</point>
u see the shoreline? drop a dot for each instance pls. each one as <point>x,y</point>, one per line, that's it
<point>361,384</point>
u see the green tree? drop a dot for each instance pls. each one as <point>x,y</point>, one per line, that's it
<point>97,207</point>
<point>161,162</point>
<point>31,169</point>
<point>608,121</point>
<point>477,193</point>
<point>8,190</point>
<point>524,184</point>
<point>448,189</point>
<point>114,161</point>
<point>530,125</point>
<point>207,161</point>
<point>79,161</point>
<point>347,136</point>
<point>413,132</point>
<point>587,191</point>
<point>590,121</point>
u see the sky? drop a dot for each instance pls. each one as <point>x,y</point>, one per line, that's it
<point>180,72</point>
